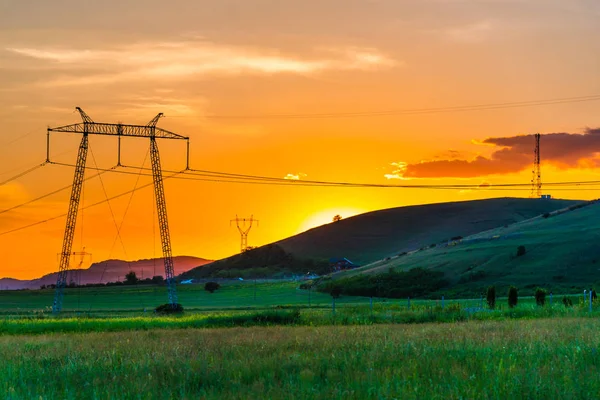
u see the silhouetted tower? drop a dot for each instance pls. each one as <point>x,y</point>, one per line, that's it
<point>244,225</point>
<point>89,127</point>
<point>536,178</point>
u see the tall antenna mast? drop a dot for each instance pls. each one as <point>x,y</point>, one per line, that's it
<point>536,178</point>
<point>244,225</point>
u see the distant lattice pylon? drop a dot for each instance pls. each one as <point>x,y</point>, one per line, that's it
<point>244,225</point>
<point>536,173</point>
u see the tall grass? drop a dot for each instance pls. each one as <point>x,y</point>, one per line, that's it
<point>545,359</point>
<point>380,313</point>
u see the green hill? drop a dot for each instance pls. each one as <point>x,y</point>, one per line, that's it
<point>561,254</point>
<point>385,233</point>
<point>375,235</point>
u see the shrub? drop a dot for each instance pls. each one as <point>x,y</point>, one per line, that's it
<point>540,297</point>
<point>521,251</point>
<point>546,215</point>
<point>513,296</point>
<point>131,278</point>
<point>336,291</point>
<point>307,285</point>
<point>491,297</point>
<point>594,295</point>
<point>567,301</point>
<point>211,286</point>
<point>169,309</point>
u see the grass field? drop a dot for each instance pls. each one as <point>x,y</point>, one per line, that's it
<point>232,294</point>
<point>545,359</point>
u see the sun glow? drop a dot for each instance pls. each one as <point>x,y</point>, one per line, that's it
<point>326,217</point>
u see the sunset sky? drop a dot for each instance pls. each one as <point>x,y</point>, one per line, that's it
<point>261,87</point>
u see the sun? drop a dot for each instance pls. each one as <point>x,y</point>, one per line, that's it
<point>326,217</point>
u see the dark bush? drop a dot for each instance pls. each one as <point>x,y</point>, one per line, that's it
<point>131,278</point>
<point>594,295</point>
<point>540,297</point>
<point>513,296</point>
<point>169,309</point>
<point>521,251</point>
<point>417,282</point>
<point>211,286</point>
<point>491,297</point>
<point>546,215</point>
<point>335,292</point>
<point>306,285</point>
<point>567,301</point>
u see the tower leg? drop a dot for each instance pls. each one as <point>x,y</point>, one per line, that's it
<point>65,255</point>
<point>163,221</point>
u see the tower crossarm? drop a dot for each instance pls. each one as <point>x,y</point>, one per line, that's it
<point>102,128</point>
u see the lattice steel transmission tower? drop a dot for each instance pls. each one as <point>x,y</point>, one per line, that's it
<point>89,127</point>
<point>244,225</point>
<point>536,173</point>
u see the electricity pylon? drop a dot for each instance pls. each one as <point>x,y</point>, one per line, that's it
<point>82,256</point>
<point>536,173</point>
<point>89,127</point>
<point>244,225</point>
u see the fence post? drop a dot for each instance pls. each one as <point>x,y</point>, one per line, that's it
<point>333,305</point>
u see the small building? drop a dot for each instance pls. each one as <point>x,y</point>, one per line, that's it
<point>546,196</point>
<point>340,264</point>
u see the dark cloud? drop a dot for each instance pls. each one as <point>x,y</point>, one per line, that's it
<point>514,154</point>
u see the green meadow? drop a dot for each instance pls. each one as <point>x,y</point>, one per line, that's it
<point>540,358</point>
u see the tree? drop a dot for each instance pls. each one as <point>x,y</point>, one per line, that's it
<point>211,286</point>
<point>336,291</point>
<point>337,218</point>
<point>131,278</point>
<point>521,251</point>
<point>513,296</point>
<point>158,279</point>
<point>540,297</point>
<point>491,297</point>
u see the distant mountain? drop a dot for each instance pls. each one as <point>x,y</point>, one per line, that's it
<point>109,271</point>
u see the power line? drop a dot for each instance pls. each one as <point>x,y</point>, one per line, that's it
<point>85,208</point>
<point>46,195</point>
<point>23,136</point>
<point>412,111</point>
<point>213,176</point>
<point>22,174</point>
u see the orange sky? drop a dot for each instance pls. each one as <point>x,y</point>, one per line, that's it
<point>193,60</point>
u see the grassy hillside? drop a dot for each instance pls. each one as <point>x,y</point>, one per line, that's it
<point>562,255</point>
<point>380,234</point>
<point>269,261</point>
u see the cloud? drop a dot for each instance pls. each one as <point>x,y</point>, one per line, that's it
<point>474,32</point>
<point>177,60</point>
<point>398,172</point>
<point>515,154</point>
<point>295,177</point>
